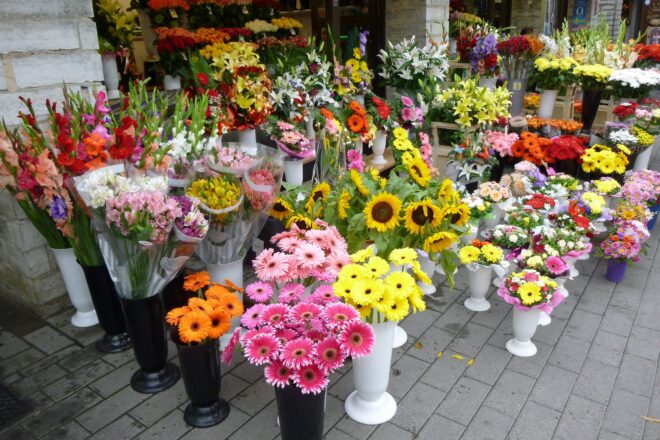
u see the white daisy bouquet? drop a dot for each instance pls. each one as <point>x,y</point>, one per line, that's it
<point>634,82</point>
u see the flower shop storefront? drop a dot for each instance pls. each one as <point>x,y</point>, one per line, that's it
<point>263,200</point>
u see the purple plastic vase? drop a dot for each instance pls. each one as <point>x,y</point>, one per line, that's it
<point>616,270</point>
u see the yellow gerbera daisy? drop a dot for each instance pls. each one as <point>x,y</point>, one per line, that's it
<point>491,253</point>
<point>281,209</point>
<point>377,267</point>
<point>469,254</point>
<point>364,310</point>
<point>343,204</point>
<point>361,256</point>
<point>351,272</point>
<point>368,291</point>
<point>417,300</point>
<point>343,288</point>
<point>400,133</point>
<point>382,212</point>
<point>420,214</point>
<point>398,310</point>
<point>419,171</point>
<point>356,178</point>
<point>386,300</point>
<point>403,256</point>
<point>420,274</point>
<point>401,284</point>
<point>439,241</point>
<point>530,294</point>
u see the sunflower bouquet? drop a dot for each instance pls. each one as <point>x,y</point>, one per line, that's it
<point>528,289</point>
<point>382,290</point>
<point>208,314</point>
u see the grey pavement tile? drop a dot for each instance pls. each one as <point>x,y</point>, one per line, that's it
<point>235,420</point>
<point>509,393</point>
<point>608,348</point>
<point>262,426</point>
<point>19,361</point>
<point>417,323</point>
<point>11,344</point>
<point>608,435</point>
<point>643,342</point>
<point>624,414</point>
<point>432,341</point>
<point>583,325</point>
<point>334,411</point>
<point>647,314</point>
<point>444,372</point>
<point>404,374</point>
<point>68,431</point>
<point>488,364</point>
<point>119,359</point>
<point>35,382</point>
<point>116,380</point>
<point>158,405</point>
<point>438,426</point>
<point>596,381</point>
<point>569,353</point>
<point>343,387</point>
<point>535,422</point>
<point>635,279</point>
<point>488,424</point>
<point>16,433</point>
<point>388,431</point>
<point>576,285</point>
<point>231,385</point>
<point>83,336</point>
<point>464,400</point>
<point>110,409</point>
<point>254,398</point>
<point>636,375</point>
<point>75,380</point>
<point>553,387</point>
<point>565,309</point>
<point>50,360</point>
<point>598,281</point>
<point>81,358</point>
<point>503,332</point>
<point>618,320</point>
<point>357,430</point>
<point>531,366</point>
<point>581,419</point>
<point>470,339</point>
<point>336,434</point>
<point>170,427</point>
<point>441,300</point>
<point>48,340</point>
<point>454,318</point>
<point>626,298</point>
<point>418,405</point>
<point>492,317</point>
<point>61,412</point>
<point>551,333</point>
<point>652,430</point>
<point>124,428</point>
<point>248,372</point>
<point>594,300</point>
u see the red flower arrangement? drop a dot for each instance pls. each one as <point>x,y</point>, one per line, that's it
<point>516,45</point>
<point>237,31</point>
<point>566,147</point>
<point>380,112</point>
<point>540,201</point>
<point>625,110</point>
<point>532,148</point>
<point>648,54</point>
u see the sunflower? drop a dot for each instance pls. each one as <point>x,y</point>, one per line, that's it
<point>439,241</point>
<point>356,123</point>
<point>420,214</point>
<point>419,171</point>
<point>194,327</point>
<point>196,281</point>
<point>446,189</point>
<point>232,304</point>
<point>281,209</point>
<point>382,212</point>
<point>343,204</point>
<point>174,316</point>
<point>220,322</point>
<point>356,178</point>
<point>457,215</point>
<point>402,256</point>
<point>320,192</point>
<point>360,256</point>
<point>301,221</point>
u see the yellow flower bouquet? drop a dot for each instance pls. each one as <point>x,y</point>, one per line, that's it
<point>552,73</point>
<point>592,76</point>
<point>605,160</point>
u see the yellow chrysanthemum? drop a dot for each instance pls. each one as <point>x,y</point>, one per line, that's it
<point>403,256</point>
<point>439,241</point>
<point>400,133</point>
<point>361,256</point>
<point>281,209</point>
<point>343,204</point>
<point>418,215</point>
<point>356,178</point>
<point>382,212</point>
<point>469,254</point>
<point>377,267</point>
<point>530,294</point>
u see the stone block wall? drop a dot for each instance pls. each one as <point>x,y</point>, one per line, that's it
<point>43,44</point>
<point>527,14</point>
<point>421,18</point>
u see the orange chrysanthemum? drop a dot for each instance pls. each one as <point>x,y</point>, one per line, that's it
<point>232,304</point>
<point>174,316</point>
<point>220,322</point>
<point>196,281</point>
<point>194,327</point>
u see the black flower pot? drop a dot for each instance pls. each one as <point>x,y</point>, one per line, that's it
<point>570,167</point>
<point>108,310</point>
<point>300,415</point>
<point>200,370</point>
<point>497,170</point>
<point>590,103</point>
<point>145,319</point>
<point>174,295</point>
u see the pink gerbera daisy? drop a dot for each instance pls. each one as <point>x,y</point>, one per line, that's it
<point>310,379</point>
<point>318,237</point>
<point>261,348</point>
<point>357,339</point>
<point>275,314</point>
<point>293,232</point>
<point>277,374</point>
<point>329,354</point>
<point>259,292</point>
<point>323,295</point>
<point>252,317</point>
<point>556,265</point>
<point>335,261</point>
<point>227,355</point>
<point>339,314</point>
<point>309,256</point>
<point>289,244</point>
<point>291,293</point>
<point>316,335</point>
<point>298,353</point>
<point>271,265</point>
<point>306,311</point>
<point>531,276</point>
<point>284,335</point>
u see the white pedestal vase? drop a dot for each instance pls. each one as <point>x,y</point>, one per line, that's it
<point>248,138</point>
<point>472,235</point>
<point>380,142</point>
<point>233,272</point>
<point>643,158</point>
<point>479,283</point>
<point>496,216</point>
<point>171,82</point>
<point>400,337</point>
<point>547,104</point>
<point>111,74</point>
<point>293,170</point>
<point>370,403</point>
<point>488,82</point>
<point>428,267</point>
<point>76,286</point>
<point>525,323</point>
<point>309,128</point>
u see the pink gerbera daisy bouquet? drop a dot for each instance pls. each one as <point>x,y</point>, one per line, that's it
<point>305,343</point>
<point>529,289</point>
<point>300,259</point>
<point>290,140</point>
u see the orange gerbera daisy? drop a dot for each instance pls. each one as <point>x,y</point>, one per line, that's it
<point>232,286</point>
<point>199,304</point>
<point>220,322</point>
<point>232,304</point>
<point>174,316</point>
<point>517,149</point>
<point>194,327</point>
<point>196,281</point>
<point>327,113</point>
<point>356,123</point>
<point>357,108</point>
<point>215,291</point>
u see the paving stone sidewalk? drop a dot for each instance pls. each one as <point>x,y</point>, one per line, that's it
<point>595,375</point>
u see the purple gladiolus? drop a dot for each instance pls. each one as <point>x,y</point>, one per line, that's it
<point>58,209</point>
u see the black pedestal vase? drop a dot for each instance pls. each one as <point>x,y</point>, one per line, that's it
<point>300,415</point>
<point>145,319</point>
<point>108,310</point>
<point>200,371</point>
<point>174,295</point>
<point>590,102</point>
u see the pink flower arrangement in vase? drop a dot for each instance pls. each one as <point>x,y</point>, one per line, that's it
<point>500,142</point>
<point>291,141</point>
<point>529,289</point>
